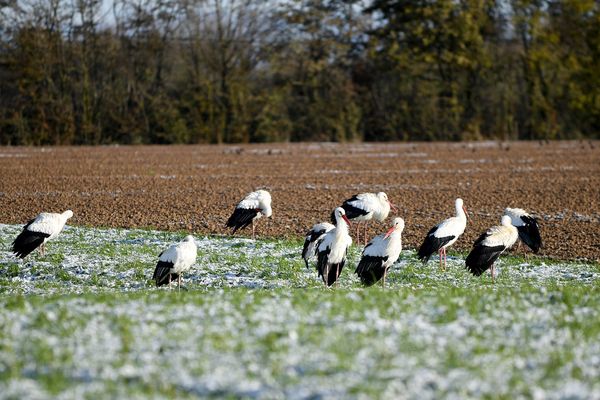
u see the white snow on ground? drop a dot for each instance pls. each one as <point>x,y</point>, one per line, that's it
<point>256,324</point>
<point>266,348</point>
<point>87,260</point>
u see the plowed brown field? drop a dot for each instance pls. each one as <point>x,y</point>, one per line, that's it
<point>196,187</point>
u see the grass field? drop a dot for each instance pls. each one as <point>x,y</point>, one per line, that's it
<point>84,321</point>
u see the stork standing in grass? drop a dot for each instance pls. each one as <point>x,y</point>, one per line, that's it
<point>527,225</point>
<point>332,251</point>
<point>250,209</point>
<point>364,207</point>
<point>380,254</point>
<point>38,231</point>
<point>488,247</point>
<point>444,235</point>
<point>174,261</point>
<point>313,239</point>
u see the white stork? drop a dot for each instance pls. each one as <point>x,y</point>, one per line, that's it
<point>331,253</point>
<point>444,235</point>
<point>313,239</point>
<point>366,206</point>
<point>251,208</point>
<point>379,255</point>
<point>44,227</point>
<point>527,225</point>
<point>174,261</point>
<point>488,247</point>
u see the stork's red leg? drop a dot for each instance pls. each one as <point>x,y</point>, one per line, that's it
<point>444,254</point>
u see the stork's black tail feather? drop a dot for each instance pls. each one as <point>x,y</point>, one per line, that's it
<point>370,269</point>
<point>481,258</point>
<point>161,273</point>
<point>27,241</point>
<point>241,218</point>
<point>431,245</point>
<point>329,272</point>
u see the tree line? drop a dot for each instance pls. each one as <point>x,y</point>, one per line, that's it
<point>224,71</point>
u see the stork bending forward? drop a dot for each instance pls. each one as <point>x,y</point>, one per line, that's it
<point>174,261</point>
<point>44,227</point>
<point>250,209</point>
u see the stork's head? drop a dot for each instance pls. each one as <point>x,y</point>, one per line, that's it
<point>383,197</point>
<point>460,206</point>
<point>267,211</point>
<point>68,214</point>
<point>398,226</point>
<point>340,214</point>
<point>264,198</point>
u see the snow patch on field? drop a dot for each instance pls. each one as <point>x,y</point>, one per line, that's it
<point>281,347</point>
<point>255,323</point>
<point>89,260</point>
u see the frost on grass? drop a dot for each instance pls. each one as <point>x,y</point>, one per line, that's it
<point>85,321</point>
<point>237,342</point>
<point>87,259</point>
<point>92,260</point>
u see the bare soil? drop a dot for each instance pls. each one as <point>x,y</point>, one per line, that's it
<point>195,188</point>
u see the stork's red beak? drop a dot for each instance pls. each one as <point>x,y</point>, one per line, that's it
<point>393,206</point>
<point>346,219</point>
<point>389,232</point>
<point>466,213</point>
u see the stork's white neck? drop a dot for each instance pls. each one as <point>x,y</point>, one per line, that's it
<point>341,227</point>
<point>460,212</point>
<point>395,234</point>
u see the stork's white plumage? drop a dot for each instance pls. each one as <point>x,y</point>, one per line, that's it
<point>331,253</point>
<point>44,227</point>
<point>366,206</point>
<point>379,255</point>
<point>313,239</point>
<point>444,235</point>
<point>174,261</point>
<point>488,247</point>
<point>527,225</point>
<point>250,209</point>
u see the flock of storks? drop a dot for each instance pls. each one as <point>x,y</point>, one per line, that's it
<point>328,242</point>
